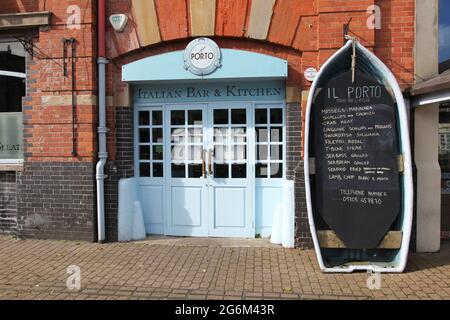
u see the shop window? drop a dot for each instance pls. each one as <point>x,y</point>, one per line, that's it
<point>151,143</point>
<point>269,142</point>
<point>12,90</point>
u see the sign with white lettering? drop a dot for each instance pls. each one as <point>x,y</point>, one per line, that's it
<point>196,92</point>
<point>356,148</point>
<point>11,136</point>
<point>202,56</point>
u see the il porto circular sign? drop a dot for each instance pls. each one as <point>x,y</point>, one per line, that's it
<point>310,74</point>
<point>202,56</point>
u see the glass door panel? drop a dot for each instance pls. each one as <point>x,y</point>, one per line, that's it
<point>230,182</point>
<point>230,143</point>
<point>151,143</point>
<point>187,189</point>
<point>186,143</point>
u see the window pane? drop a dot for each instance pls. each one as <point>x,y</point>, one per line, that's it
<point>144,118</point>
<point>239,171</point>
<point>195,135</point>
<point>158,152</point>
<point>178,135</point>
<point>11,135</point>
<point>220,135</point>
<point>276,152</point>
<point>194,153</point>
<point>220,170</point>
<point>195,117</point>
<point>261,170</point>
<point>144,169</point>
<point>221,154</point>
<point>262,135</point>
<point>11,89</point>
<point>144,135</point>
<point>178,171</point>
<point>239,153</point>
<point>276,134</point>
<point>177,117</point>
<point>195,170</point>
<point>221,116</point>
<point>276,116</point>
<point>157,118</point>
<point>444,44</point>
<point>178,153</point>
<point>261,116</point>
<point>276,170</point>
<point>262,152</point>
<point>238,135</point>
<point>238,116</point>
<point>144,153</point>
<point>157,135</point>
<point>158,170</point>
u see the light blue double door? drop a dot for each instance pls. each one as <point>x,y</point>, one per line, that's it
<point>209,185</point>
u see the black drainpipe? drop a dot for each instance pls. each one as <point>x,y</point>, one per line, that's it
<point>72,43</point>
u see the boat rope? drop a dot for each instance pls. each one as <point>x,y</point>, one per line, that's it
<point>353,59</point>
<point>354,40</point>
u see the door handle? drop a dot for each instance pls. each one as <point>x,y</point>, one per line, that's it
<point>204,173</point>
<point>210,162</point>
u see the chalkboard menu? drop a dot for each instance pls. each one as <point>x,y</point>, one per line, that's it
<point>356,148</point>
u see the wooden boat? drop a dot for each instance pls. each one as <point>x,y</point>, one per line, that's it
<point>358,174</point>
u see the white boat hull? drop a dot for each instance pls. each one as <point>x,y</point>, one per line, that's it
<point>398,264</point>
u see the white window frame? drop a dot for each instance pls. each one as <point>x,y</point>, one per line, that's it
<point>269,125</point>
<point>151,144</point>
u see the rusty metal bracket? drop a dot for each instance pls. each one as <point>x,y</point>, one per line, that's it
<point>346,29</point>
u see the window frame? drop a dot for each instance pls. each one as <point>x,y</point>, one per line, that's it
<point>150,144</point>
<point>13,161</point>
<point>269,126</point>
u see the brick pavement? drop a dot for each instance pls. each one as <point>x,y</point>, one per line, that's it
<point>201,269</point>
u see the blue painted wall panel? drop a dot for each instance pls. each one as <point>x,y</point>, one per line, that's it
<point>236,64</point>
<point>267,199</point>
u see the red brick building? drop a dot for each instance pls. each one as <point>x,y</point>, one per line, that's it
<point>52,192</point>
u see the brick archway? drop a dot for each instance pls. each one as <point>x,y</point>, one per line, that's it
<point>289,23</point>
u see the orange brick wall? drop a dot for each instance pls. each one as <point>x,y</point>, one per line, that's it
<point>304,32</point>
<point>48,127</point>
<point>15,6</point>
<point>310,28</point>
<point>395,41</point>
